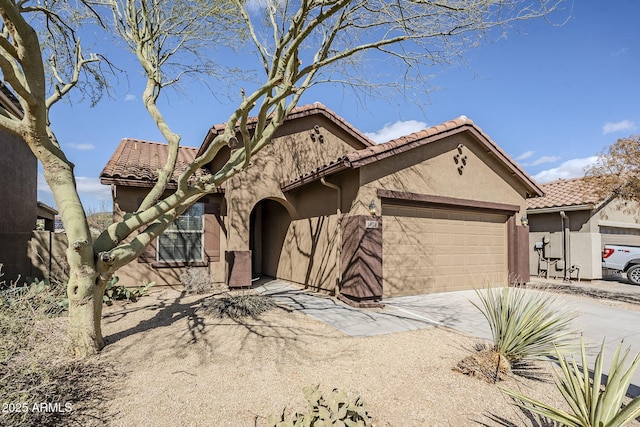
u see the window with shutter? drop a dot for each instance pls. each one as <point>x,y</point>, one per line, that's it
<point>184,239</point>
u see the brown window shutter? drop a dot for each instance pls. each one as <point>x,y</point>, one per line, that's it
<point>212,231</point>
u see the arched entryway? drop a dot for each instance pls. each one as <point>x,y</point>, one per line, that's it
<point>269,223</point>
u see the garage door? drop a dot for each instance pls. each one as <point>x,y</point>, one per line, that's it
<point>620,236</point>
<point>428,250</point>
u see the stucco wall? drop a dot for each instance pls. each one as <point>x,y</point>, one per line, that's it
<point>137,272</point>
<point>431,170</point>
<point>483,177</point>
<point>308,250</point>
<point>287,157</point>
<point>18,179</point>
<point>310,253</point>
<point>617,213</point>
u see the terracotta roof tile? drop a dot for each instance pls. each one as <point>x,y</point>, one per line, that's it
<point>565,193</point>
<point>380,151</point>
<point>138,160</point>
<point>404,143</point>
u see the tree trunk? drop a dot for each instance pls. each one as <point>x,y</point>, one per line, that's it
<point>85,315</point>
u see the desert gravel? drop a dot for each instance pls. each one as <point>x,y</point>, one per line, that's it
<point>184,368</point>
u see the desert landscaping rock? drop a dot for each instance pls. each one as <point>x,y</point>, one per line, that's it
<point>185,368</point>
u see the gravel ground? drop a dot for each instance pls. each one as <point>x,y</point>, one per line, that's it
<point>184,368</point>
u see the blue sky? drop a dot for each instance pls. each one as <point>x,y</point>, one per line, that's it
<point>552,97</point>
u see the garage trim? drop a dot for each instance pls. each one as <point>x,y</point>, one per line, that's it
<point>422,200</point>
<point>613,224</point>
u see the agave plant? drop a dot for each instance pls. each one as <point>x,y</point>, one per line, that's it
<point>525,324</point>
<point>591,404</point>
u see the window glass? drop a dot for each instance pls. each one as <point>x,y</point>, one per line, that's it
<point>183,240</point>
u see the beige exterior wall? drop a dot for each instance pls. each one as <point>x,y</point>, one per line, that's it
<point>298,235</point>
<point>138,272</point>
<point>310,253</point>
<point>285,158</point>
<point>616,213</point>
<point>483,178</point>
<point>310,249</point>
<point>431,253</point>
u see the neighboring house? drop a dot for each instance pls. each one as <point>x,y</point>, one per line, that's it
<point>18,198</point>
<point>46,218</point>
<point>322,205</point>
<point>570,225</point>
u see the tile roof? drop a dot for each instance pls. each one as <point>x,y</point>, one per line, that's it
<point>380,151</point>
<point>407,142</point>
<point>135,163</point>
<point>297,113</point>
<point>565,193</point>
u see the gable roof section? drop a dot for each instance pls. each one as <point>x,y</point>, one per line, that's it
<point>400,145</point>
<point>575,193</point>
<point>297,113</point>
<point>135,163</point>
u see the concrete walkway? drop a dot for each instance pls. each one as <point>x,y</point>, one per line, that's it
<point>454,309</point>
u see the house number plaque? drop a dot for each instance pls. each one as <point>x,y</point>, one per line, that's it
<point>371,224</point>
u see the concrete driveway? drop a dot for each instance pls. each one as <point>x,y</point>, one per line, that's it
<point>596,321</point>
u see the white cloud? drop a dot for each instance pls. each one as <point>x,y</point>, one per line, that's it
<point>525,155</point>
<point>83,147</point>
<point>624,125</point>
<point>130,97</point>
<point>396,130</point>
<point>87,188</point>
<point>91,187</point>
<point>573,168</point>
<point>42,184</point>
<point>621,51</point>
<point>545,159</point>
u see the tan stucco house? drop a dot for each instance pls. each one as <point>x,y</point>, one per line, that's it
<point>324,206</point>
<point>570,225</point>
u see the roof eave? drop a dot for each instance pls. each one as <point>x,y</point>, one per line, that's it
<point>46,208</point>
<point>296,113</point>
<point>557,209</point>
<point>140,183</point>
<point>533,189</point>
<point>315,176</point>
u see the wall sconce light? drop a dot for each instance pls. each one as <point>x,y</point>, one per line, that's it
<point>524,220</point>
<point>373,209</point>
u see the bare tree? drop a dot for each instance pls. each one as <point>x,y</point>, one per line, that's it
<point>298,43</point>
<point>616,173</point>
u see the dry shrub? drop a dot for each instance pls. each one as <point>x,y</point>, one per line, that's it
<point>40,383</point>
<point>486,364</point>
<point>197,281</point>
<point>237,306</point>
